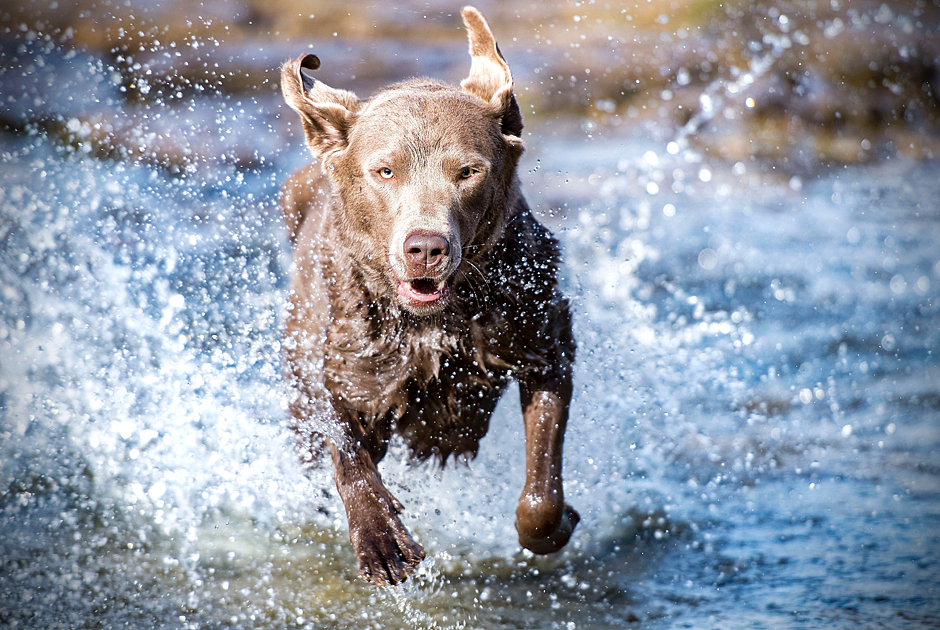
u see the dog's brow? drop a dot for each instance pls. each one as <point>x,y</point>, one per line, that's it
<point>461,160</point>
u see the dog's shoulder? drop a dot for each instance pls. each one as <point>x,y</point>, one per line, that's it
<point>529,303</point>
<point>527,259</point>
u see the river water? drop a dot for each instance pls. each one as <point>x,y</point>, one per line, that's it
<point>754,441</point>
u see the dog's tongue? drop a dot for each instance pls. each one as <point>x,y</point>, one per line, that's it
<point>421,290</point>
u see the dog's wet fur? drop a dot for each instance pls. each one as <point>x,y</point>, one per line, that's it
<point>421,286</point>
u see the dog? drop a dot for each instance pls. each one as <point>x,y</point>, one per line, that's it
<point>421,285</point>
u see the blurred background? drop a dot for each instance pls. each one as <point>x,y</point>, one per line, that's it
<point>798,83</point>
<point>748,197</point>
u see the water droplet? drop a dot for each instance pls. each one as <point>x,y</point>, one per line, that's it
<point>708,259</point>
<point>898,285</point>
<point>888,343</point>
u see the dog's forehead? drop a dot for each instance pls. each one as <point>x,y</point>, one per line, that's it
<point>425,108</point>
<point>418,93</point>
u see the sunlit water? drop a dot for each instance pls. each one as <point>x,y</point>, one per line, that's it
<point>754,439</point>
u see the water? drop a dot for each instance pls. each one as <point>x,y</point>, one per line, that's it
<point>754,438</point>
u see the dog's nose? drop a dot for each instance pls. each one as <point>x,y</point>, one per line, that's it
<point>426,250</point>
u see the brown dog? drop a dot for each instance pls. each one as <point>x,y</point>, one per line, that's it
<point>421,286</point>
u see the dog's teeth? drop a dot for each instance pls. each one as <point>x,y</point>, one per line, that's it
<point>440,285</point>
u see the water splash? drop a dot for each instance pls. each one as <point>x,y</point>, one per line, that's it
<point>717,95</point>
<point>410,599</point>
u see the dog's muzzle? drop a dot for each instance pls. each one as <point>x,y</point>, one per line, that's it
<point>427,259</point>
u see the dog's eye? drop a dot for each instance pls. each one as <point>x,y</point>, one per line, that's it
<point>466,173</point>
<point>386,173</point>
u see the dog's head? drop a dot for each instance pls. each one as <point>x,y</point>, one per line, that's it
<point>424,172</point>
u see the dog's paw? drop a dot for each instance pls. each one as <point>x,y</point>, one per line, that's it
<point>387,557</point>
<point>537,541</point>
<point>386,552</point>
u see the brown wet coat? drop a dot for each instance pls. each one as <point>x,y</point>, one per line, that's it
<point>420,164</point>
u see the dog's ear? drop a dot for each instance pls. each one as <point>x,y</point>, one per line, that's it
<point>490,78</point>
<point>327,114</point>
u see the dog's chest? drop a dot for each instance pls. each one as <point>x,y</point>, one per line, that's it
<point>436,389</point>
<point>377,369</point>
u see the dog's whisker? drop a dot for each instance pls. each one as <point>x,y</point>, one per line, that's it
<point>479,290</point>
<point>480,273</point>
<point>478,293</point>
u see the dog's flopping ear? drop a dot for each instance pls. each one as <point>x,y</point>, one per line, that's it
<point>490,78</point>
<point>327,114</point>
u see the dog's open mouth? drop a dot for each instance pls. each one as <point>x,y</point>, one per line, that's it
<point>423,290</point>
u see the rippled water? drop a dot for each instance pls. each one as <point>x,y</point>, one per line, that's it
<point>754,439</point>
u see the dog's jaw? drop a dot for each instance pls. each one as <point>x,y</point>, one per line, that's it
<point>423,296</point>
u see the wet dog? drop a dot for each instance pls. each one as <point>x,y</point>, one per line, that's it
<point>421,286</point>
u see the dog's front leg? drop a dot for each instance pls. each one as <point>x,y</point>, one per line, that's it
<point>543,520</point>
<point>385,550</point>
